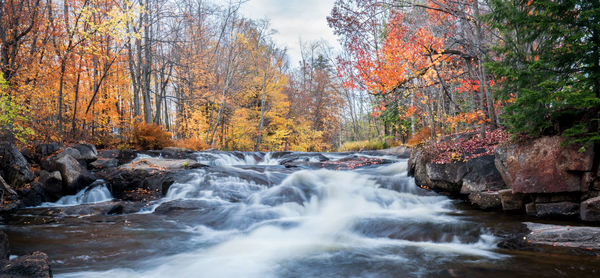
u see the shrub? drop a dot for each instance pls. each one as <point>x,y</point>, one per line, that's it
<point>150,137</point>
<point>390,142</point>
<point>194,144</point>
<point>464,149</point>
<point>420,137</point>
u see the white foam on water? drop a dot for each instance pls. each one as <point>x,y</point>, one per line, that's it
<point>394,169</point>
<point>269,160</point>
<point>324,206</point>
<point>97,192</point>
<point>141,156</point>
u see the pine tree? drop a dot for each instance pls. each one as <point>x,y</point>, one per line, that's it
<point>547,64</point>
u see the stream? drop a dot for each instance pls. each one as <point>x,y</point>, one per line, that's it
<point>250,216</point>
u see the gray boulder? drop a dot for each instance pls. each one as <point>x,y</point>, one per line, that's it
<point>104,163</point>
<point>481,176</point>
<point>486,200</point>
<point>35,265</point>
<point>52,184</point>
<point>511,200</point>
<point>74,176</point>
<point>10,198</point>
<point>145,179</point>
<point>13,165</point>
<point>43,150</point>
<point>446,177</point>
<point>49,163</point>
<point>32,194</point>
<point>558,210</point>
<point>587,238</point>
<point>181,205</point>
<point>590,210</point>
<point>75,153</point>
<point>87,152</point>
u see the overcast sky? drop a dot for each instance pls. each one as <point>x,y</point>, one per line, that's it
<point>294,20</point>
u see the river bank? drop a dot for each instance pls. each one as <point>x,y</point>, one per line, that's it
<point>544,178</point>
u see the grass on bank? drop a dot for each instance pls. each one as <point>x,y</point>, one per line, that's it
<point>368,145</point>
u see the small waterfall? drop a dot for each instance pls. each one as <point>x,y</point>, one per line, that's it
<point>96,192</point>
<point>237,159</point>
<point>228,159</point>
<point>269,160</point>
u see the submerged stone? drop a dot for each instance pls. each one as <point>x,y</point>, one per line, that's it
<point>587,238</point>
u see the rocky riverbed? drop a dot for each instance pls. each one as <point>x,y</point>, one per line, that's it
<point>283,214</point>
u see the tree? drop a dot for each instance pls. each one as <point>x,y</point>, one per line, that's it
<point>548,66</point>
<point>12,116</point>
<point>414,57</point>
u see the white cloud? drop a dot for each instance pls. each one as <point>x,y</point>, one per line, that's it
<point>294,20</point>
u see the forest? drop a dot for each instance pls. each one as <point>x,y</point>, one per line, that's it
<point>197,74</point>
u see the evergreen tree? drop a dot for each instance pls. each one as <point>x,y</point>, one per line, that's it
<point>547,63</point>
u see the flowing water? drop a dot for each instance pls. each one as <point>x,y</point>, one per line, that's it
<point>325,215</point>
<point>97,192</point>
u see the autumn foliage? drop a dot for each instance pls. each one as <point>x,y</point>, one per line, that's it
<point>425,69</point>
<point>464,146</point>
<point>194,144</point>
<point>150,137</point>
<point>90,69</point>
<point>420,137</point>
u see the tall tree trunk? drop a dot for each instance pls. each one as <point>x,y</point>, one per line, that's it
<point>259,136</point>
<point>147,65</point>
<point>158,81</point>
<point>59,112</point>
<point>489,99</point>
<point>73,125</point>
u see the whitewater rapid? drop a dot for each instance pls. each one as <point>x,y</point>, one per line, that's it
<point>311,223</point>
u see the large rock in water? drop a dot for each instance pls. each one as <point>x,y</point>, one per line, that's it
<point>13,165</point>
<point>544,166</point>
<point>35,265</point>
<point>486,200</point>
<point>482,176</point>
<point>32,194</point>
<point>447,177</point>
<point>511,200</point>
<point>587,238</point>
<point>590,210</point>
<point>74,176</point>
<point>478,175</point>
<point>557,210</point>
<point>52,184</point>
<point>145,179</point>
<point>478,178</point>
<point>104,163</point>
